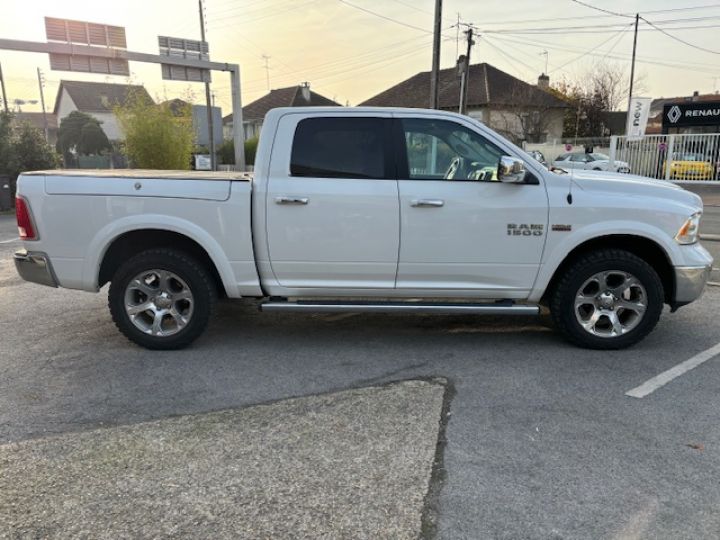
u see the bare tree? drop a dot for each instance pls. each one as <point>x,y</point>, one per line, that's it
<point>611,84</point>
<point>604,87</point>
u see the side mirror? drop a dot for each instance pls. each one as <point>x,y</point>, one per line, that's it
<point>511,170</point>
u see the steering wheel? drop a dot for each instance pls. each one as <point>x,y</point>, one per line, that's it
<point>457,165</point>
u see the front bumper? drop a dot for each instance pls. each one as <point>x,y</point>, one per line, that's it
<point>690,282</point>
<point>35,266</point>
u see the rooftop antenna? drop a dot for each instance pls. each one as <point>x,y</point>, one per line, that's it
<point>267,69</point>
<point>547,56</point>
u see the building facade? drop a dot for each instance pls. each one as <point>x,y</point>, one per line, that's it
<point>98,100</point>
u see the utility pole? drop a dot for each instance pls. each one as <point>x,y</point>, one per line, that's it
<point>208,99</point>
<point>267,69</point>
<point>41,84</point>
<point>465,81</point>
<point>632,66</point>
<point>4,93</point>
<point>457,36</point>
<point>435,75</point>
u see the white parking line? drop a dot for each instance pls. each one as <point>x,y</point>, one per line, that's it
<point>648,387</point>
<point>9,241</point>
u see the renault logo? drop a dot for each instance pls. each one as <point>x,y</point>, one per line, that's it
<point>674,114</point>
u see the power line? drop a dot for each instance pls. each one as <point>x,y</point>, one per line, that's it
<point>406,4</point>
<point>355,67</point>
<point>294,7</point>
<point>603,10</point>
<point>234,5</point>
<point>345,61</point>
<point>584,17</point>
<point>679,39</point>
<point>508,57</point>
<point>691,66</point>
<point>595,27</point>
<point>380,15</point>
<point>590,51</point>
<point>584,32</point>
<point>622,34</point>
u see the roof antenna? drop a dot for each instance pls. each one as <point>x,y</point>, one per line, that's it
<point>572,181</point>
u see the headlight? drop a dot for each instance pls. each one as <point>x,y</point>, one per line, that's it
<point>688,233</point>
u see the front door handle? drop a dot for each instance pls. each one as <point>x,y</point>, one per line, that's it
<point>291,200</point>
<point>425,203</point>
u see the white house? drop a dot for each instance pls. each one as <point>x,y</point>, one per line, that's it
<point>96,99</point>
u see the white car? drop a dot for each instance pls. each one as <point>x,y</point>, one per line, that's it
<point>590,161</point>
<point>369,210</point>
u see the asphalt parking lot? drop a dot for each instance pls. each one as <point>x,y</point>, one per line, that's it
<point>540,441</point>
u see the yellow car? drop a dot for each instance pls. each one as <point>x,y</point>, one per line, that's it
<point>690,166</point>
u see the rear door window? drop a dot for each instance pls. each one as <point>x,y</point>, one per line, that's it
<point>342,147</point>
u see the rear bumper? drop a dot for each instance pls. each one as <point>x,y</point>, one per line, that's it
<point>690,282</point>
<point>35,266</point>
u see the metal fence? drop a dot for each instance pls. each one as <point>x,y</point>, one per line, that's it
<point>682,158</point>
<point>553,148</point>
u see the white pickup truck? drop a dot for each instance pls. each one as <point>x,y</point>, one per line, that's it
<point>369,210</point>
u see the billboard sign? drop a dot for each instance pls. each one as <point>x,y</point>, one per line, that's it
<point>89,34</point>
<point>183,48</point>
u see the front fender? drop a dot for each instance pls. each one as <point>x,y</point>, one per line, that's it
<point>558,247</point>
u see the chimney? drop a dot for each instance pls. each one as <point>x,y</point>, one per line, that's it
<point>696,95</point>
<point>543,82</point>
<point>305,89</point>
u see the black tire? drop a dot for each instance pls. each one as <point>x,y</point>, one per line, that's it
<point>195,276</point>
<point>562,299</point>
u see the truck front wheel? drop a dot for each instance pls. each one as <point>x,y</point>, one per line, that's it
<point>607,299</point>
<point>161,299</point>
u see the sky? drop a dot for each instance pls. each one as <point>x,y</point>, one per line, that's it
<point>351,50</point>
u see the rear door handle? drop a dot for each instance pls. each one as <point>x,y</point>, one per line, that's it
<point>291,200</point>
<point>425,203</point>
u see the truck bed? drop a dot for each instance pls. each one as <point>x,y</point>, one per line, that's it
<point>232,176</point>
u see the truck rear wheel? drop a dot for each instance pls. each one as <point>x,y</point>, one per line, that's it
<point>162,299</point>
<point>607,299</point>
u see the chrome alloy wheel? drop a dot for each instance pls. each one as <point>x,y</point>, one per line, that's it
<point>159,302</point>
<point>610,303</point>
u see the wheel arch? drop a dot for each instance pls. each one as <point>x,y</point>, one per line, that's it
<point>641,246</point>
<point>132,242</point>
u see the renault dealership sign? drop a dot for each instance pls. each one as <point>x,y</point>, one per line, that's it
<point>637,118</point>
<point>692,113</point>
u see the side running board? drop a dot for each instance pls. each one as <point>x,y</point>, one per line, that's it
<point>497,308</point>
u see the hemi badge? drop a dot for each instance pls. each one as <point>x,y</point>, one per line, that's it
<point>562,228</point>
